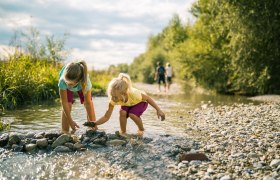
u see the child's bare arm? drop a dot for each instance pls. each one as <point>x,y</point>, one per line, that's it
<point>106,116</point>
<point>89,106</point>
<point>149,100</point>
<point>66,109</point>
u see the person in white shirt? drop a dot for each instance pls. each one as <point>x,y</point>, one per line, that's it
<point>168,70</point>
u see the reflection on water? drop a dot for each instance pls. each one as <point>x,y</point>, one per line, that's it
<point>93,164</point>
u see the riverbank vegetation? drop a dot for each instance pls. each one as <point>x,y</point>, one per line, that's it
<point>25,80</point>
<point>30,74</point>
<point>232,48</point>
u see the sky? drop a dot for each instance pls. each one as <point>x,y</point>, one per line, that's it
<point>101,32</point>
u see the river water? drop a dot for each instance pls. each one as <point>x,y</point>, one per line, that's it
<point>140,161</point>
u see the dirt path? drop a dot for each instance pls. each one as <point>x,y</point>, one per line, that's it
<point>152,89</point>
<point>267,98</point>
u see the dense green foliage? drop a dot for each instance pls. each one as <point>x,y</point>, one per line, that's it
<point>23,80</point>
<point>233,47</point>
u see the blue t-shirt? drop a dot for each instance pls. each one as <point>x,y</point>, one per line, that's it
<point>62,84</point>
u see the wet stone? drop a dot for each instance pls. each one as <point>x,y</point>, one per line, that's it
<point>42,143</point>
<point>14,139</point>
<point>4,138</point>
<point>62,149</point>
<point>30,147</point>
<point>61,140</point>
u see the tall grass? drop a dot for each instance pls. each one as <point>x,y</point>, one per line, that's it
<point>24,80</point>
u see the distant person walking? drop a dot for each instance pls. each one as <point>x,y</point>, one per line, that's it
<point>160,75</point>
<point>168,70</point>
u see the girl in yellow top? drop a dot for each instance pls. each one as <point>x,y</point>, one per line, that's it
<point>133,103</point>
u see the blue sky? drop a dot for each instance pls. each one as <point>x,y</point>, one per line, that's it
<point>102,32</point>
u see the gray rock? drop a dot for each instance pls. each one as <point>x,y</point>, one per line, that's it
<point>17,148</point>
<point>101,141</point>
<point>14,139</point>
<point>4,138</point>
<point>78,146</point>
<point>30,147</point>
<point>42,143</point>
<point>61,140</point>
<point>226,177</point>
<point>69,145</point>
<point>30,135</point>
<point>275,163</point>
<point>62,149</point>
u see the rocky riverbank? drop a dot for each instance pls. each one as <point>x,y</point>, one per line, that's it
<point>239,141</point>
<point>242,141</point>
<point>44,142</point>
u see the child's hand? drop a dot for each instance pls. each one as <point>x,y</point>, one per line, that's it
<point>74,125</point>
<point>89,124</point>
<point>161,115</point>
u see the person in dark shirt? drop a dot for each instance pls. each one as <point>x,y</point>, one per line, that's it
<point>160,76</point>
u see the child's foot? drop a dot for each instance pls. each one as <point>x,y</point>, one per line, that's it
<point>64,132</point>
<point>120,133</point>
<point>140,133</point>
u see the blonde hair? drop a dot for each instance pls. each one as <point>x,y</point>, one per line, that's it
<point>77,72</point>
<point>120,84</point>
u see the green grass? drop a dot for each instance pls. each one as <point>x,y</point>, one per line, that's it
<point>24,80</point>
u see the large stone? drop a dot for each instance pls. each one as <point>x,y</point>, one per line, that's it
<point>101,141</point>
<point>17,148</point>
<point>14,139</point>
<point>69,145</point>
<point>61,140</point>
<point>30,135</point>
<point>275,163</point>
<point>78,146</point>
<point>42,143</point>
<point>39,135</point>
<point>30,147</point>
<point>62,149</point>
<point>4,138</point>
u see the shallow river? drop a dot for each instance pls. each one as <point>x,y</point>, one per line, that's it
<point>141,161</point>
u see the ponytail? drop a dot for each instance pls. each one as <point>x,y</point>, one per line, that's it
<point>84,75</point>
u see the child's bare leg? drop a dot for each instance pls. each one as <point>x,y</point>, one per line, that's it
<point>123,121</point>
<point>137,120</point>
<point>64,123</point>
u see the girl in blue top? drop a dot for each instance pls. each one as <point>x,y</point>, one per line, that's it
<point>74,78</point>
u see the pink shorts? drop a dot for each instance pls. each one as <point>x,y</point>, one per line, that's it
<point>70,96</point>
<point>137,109</point>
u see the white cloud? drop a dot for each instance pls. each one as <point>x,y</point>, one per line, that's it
<point>106,53</point>
<point>117,30</point>
<point>101,32</point>
<point>17,20</point>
